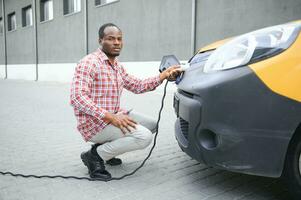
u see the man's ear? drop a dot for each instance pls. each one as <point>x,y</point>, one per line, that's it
<point>99,41</point>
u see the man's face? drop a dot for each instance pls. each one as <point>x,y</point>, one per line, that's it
<point>111,42</point>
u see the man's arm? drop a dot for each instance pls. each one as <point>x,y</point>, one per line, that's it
<point>137,85</point>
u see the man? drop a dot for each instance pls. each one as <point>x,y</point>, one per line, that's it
<point>95,95</point>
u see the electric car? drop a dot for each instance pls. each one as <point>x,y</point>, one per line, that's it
<point>238,105</point>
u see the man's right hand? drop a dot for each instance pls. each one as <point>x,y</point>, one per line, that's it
<point>121,121</point>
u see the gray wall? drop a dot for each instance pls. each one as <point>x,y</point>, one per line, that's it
<point>151,29</point>
<point>219,19</point>
<point>20,43</point>
<point>61,40</point>
<point>1,40</point>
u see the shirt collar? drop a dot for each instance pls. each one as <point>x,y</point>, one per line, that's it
<point>105,58</point>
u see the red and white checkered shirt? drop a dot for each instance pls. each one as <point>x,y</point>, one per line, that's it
<point>96,89</point>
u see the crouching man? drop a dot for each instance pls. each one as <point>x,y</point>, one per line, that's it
<point>97,85</point>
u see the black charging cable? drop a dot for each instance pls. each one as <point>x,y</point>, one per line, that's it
<point>99,179</point>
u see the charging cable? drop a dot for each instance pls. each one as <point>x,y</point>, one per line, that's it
<point>99,179</point>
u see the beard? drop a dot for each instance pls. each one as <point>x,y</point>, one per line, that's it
<point>110,51</point>
<point>110,54</point>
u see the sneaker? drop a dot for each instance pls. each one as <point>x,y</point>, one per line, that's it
<point>95,165</point>
<point>114,161</point>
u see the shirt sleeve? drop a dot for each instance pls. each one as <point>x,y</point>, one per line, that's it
<point>81,91</point>
<point>137,85</point>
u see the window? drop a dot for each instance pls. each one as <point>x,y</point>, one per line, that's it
<point>1,25</point>
<point>71,6</point>
<point>46,9</point>
<point>102,2</point>
<point>27,16</point>
<point>11,22</point>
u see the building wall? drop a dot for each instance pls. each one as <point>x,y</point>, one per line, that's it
<point>20,42</point>
<point>62,39</point>
<point>1,40</point>
<point>151,29</point>
<point>220,19</point>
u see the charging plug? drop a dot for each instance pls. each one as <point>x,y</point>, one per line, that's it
<point>168,61</point>
<point>184,66</point>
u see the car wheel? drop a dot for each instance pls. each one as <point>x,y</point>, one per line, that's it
<point>292,170</point>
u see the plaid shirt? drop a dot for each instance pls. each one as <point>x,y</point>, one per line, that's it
<point>96,89</point>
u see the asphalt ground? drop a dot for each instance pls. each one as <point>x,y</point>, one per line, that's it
<point>38,136</point>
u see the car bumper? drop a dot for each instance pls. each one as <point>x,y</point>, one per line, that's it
<point>226,122</point>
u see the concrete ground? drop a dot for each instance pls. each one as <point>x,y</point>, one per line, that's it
<point>38,136</point>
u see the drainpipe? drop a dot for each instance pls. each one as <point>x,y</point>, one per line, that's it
<point>86,26</point>
<point>193,27</point>
<point>5,42</point>
<point>34,3</point>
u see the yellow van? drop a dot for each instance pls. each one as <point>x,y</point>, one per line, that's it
<point>238,105</point>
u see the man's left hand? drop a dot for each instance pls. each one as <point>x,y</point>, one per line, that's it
<point>171,73</point>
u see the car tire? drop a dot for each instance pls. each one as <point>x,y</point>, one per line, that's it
<point>292,169</point>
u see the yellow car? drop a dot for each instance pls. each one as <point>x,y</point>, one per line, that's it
<point>238,105</point>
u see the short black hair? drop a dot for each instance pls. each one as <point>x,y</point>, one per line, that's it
<point>103,27</point>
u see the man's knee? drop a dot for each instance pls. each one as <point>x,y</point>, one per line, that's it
<point>143,137</point>
<point>148,137</point>
<point>154,127</point>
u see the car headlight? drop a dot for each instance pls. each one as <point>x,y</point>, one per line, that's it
<point>252,47</point>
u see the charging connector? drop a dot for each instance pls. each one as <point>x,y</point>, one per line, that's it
<point>184,66</point>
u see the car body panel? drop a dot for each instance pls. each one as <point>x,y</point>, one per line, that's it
<point>241,119</point>
<point>281,73</point>
<point>214,45</point>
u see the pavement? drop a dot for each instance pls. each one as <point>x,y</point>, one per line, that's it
<point>38,136</point>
